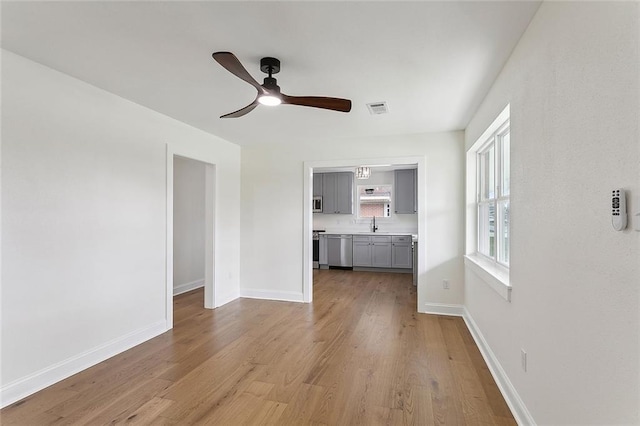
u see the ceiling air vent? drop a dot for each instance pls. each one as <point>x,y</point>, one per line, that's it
<point>378,108</point>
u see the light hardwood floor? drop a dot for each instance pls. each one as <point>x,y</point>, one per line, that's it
<point>359,355</point>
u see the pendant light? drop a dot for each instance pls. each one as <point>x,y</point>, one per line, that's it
<point>363,172</point>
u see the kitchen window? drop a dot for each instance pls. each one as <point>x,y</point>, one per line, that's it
<point>374,201</point>
<point>493,189</point>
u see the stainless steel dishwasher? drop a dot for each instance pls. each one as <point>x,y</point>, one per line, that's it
<point>340,251</point>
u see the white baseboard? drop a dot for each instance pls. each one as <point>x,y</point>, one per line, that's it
<point>443,309</point>
<point>285,296</point>
<point>515,403</point>
<point>39,380</point>
<point>183,288</point>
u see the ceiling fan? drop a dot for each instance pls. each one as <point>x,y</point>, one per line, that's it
<point>269,92</point>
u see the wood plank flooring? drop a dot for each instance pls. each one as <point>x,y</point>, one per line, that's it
<point>359,355</point>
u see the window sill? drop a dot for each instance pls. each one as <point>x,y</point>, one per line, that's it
<point>496,276</point>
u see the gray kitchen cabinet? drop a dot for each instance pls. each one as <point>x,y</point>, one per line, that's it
<point>405,191</point>
<point>317,184</point>
<point>337,193</point>
<point>361,251</point>
<point>401,253</point>
<point>329,193</point>
<point>372,251</point>
<point>381,252</point>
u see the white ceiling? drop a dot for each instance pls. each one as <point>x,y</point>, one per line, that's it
<point>432,62</point>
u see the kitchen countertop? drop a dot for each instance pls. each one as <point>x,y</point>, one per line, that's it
<point>382,233</point>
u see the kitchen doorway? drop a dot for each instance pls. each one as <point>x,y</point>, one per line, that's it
<point>418,162</point>
<point>190,261</point>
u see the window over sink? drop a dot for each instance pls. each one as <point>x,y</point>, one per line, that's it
<point>374,200</point>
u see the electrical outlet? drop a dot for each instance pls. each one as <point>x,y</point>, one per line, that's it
<point>523,359</point>
<point>445,284</point>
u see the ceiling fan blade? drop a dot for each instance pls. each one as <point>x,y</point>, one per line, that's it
<point>335,104</point>
<point>242,111</point>
<point>229,61</point>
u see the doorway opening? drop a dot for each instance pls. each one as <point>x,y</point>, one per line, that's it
<point>190,229</point>
<point>188,224</point>
<point>358,219</point>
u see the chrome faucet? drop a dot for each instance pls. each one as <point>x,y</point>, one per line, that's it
<point>374,227</point>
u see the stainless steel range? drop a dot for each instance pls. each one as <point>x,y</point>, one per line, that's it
<point>315,235</point>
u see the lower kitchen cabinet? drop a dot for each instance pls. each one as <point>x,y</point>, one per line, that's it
<point>372,251</point>
<point>401,253</point>
<point>361,251</point>
<point>381,252</point>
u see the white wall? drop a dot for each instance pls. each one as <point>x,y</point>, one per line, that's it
<point>573,86</point>
<point>351,223</point>
<point>188,224</point>
<point>84,222</point>
<point>272,210</point>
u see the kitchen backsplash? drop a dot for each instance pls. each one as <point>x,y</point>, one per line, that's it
<point>349,223</point>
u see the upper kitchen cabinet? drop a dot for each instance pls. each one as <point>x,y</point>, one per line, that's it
<point>406,198</point>
<point>317,184</point>
<point>337,193</point>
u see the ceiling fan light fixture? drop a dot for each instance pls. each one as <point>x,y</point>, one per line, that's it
<point>269,100</point>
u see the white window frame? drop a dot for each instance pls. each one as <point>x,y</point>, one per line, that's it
<point>487,269</point>
<point>361,219</point>
<point>494,141</point>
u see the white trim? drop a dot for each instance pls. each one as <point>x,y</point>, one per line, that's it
<point>210,182</point>
<point>494,275</point>
<point>443,309</point>
<point>498,122</point>
<point>183,288</point>
<point>169,240</point>
<point>39,380</point>
<point>307,242</point>
<point>508,391</point>
<point>472,192</point>
<point>283,296</point>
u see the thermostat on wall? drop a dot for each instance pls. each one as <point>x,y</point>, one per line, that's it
<point>618,209</point>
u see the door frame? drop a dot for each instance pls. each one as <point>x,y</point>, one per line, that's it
<point>210,204</point>
<point>307,245</point>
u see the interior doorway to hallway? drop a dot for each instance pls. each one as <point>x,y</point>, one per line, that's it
<point>188,224</point>
<point>190,229</point>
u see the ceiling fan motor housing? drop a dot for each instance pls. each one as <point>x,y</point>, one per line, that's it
<point>270,65</point>
<point>271,85</point>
